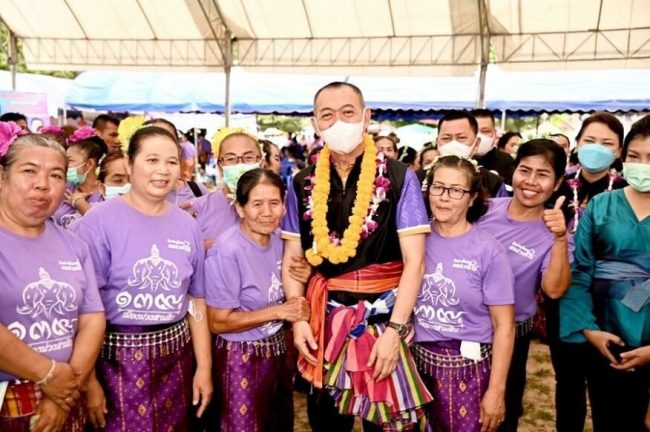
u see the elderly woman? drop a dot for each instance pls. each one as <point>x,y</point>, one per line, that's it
<point>247,309</point>
<point>464,314</point>
<point>83,190</point>
<point>148,258</point>
<point>51,315</point>
<point>537,244</point>
<point>607,304</point>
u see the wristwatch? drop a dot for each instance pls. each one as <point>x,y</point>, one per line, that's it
<point>401,329</point>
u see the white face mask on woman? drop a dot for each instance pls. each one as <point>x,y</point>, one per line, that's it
<point>343,137</point>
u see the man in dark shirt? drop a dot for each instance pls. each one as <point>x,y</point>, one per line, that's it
<point>487,155</point>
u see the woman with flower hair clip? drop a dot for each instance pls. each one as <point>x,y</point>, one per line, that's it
<point>85,151</point>
<point>51,315</point>
<point>464,314</point>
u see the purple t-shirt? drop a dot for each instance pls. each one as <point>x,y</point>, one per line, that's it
<point>242,275</point>
<point>46,282</point>
<point>188,151</point>
<point>66,214</point>
<point>528,246</point>
<point>185,194</point>
<point>463,276</point>
<point>145,265</point>
<point>215,214</point>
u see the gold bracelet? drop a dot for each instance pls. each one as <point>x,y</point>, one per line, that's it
<point>49,377</point>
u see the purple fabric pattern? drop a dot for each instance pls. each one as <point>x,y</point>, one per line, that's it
<point>410,209</point>
<point>147,394</point>
<point>254,390</point>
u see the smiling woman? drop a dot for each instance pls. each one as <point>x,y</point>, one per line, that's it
<point>46,282</point>
<point>151,281</point>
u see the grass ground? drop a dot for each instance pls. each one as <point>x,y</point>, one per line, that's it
<point>539,400</point>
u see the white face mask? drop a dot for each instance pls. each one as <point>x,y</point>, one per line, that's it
<point>115,191</point>
<point>486,144</point>
<point>343,137</point>
<point>455,148</point>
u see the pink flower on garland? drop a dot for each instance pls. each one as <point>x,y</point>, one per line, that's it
<point>9,131</point>
<point>83,133</point>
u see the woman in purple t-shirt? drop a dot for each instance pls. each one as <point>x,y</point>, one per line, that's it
<point>83,190</point>
<point>247,309</point>
<point>538,247</point>
<point>464,314</point>
<point>51,315</point>
<point>148,258</point>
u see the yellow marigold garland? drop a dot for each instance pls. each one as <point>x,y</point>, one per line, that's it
<point>323,247</point>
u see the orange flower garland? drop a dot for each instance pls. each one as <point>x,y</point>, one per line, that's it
<point>323,247</point>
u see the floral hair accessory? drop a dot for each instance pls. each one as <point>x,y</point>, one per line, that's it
<point>224,133</point>
<point>81,134</point>
<point>127,128</point>
<point>52,130</point>
<point>9,131</point>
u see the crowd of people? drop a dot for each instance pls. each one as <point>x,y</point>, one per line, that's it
<point>399,287</point>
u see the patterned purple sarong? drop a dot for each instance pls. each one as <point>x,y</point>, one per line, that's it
<point>147,378</point>
<point>253,386</point>
<point>456,383</point>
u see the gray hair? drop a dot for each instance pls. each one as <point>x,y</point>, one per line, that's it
<point>30,141</point>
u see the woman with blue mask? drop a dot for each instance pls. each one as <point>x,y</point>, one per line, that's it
<point>607,303</point>
<point>598,145</point>
<point>84,152</point>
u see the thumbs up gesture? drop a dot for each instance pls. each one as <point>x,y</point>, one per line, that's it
<point>554,218</point>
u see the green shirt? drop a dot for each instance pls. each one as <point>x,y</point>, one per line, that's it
<point>608,228</point>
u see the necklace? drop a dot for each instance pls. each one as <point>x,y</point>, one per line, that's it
<point>371,191</point>
<point>575,184</point>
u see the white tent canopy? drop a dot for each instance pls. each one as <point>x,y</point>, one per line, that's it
<point>333,36</point>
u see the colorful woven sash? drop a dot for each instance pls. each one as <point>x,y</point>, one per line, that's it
<point>372,279</point>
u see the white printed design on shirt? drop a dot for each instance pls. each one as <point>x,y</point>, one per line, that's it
<point>519,249</point>
<point>437,296</point>
<point>50,300</point>
<point>158,276</point>
<point>276,296</point>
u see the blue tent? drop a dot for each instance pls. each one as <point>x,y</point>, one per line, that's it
<point>621,90</point>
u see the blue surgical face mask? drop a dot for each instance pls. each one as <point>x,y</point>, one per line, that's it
<point>232,173</point>
<point>115,191</point>
<point>595,157</point>
<point>73,177</point>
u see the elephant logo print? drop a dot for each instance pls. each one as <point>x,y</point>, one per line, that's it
<point>47,296</point>
<point>275,296</point>
<point>436,298</point>
<point>155,273</point>
<point>438,289</point>
<point>67,220</point>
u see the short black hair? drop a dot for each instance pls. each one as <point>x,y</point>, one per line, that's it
<point>254,177</point>
<point>392,138</point>
<point>147,132</point>
<point>339,84</point>
<point>459,115</point>
<point>93,148</point>
<point>482,112</point>
<point>608,120</point>
<point>548,149</point>
<point>103,166</point>
<point>159,120</point>
<point>407,155</point>
<point>639,129</point>
<point>100,121</point>
<point>505,138</point>
<point>12,116</point>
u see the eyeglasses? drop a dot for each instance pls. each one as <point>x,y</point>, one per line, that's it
<point>453,192</point>
<point>247,158</point>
